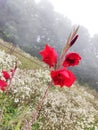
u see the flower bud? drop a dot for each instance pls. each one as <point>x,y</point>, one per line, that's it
<point>74,40</point>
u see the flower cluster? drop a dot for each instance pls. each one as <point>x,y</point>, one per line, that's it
<point>60,74</point>
<point>5,76</point>
<point>26,90</point>
<point>68,109</point>
<point>6,62</point>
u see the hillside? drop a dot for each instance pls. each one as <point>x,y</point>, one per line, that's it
<point>31,25</point>
<point>74,108</point>
<point>27,61</point>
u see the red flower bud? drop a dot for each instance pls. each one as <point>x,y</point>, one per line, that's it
<point>74,40</point>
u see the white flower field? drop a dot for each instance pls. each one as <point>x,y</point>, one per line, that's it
<point>74,108</point>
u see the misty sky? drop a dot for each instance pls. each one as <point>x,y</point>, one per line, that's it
<point>82,12</point>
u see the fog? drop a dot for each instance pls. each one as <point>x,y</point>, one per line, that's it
<point>31,25</point>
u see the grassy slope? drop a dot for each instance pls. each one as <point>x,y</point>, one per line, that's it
<point>58,98</point>
<point>27,61</point>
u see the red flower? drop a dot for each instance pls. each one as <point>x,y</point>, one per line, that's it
<point>49,55</point>
<point>71,59</point>
<point>3,85</point>
<point>6,75</point>
<point>63,77</point>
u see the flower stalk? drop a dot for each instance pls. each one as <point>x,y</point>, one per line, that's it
<point>7,92</point>
<point>38,108</point>
<point>60,75</point>
<point>70,41</point>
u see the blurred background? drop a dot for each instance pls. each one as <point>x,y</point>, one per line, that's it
<point>30,24</point>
